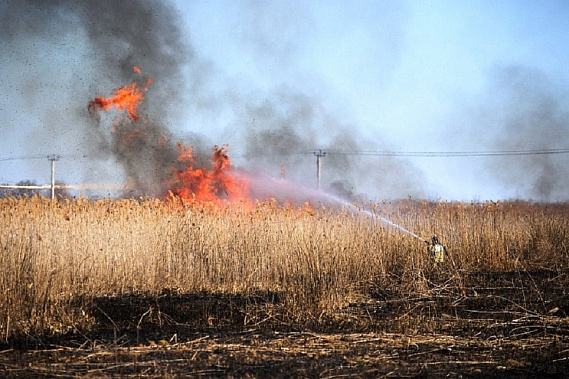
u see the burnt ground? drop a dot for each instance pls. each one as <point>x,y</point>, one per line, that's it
<point>478,324</point>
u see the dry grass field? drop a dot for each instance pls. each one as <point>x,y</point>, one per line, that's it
<point>145,288</point>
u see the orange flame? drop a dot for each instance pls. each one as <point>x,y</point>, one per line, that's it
<point>126,98</point>
<point>187,182</point>
<point>203,185</point>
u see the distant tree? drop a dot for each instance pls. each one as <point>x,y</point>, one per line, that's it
<point>17,192</point>
<point>4,192</point>
<point>22,192</point>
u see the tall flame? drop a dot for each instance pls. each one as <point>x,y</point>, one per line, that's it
<point>126,98</point>
<point>220,183</point>
<point>200,184</point>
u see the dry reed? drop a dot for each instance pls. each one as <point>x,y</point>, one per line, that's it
<point>55,256</point>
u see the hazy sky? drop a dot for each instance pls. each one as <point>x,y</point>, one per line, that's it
<point>277,80</point>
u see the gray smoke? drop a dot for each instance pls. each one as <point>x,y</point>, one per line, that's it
<point>89,48</point>
<point>283,128</point>
<point>529,111</point>
<point>285,131</point>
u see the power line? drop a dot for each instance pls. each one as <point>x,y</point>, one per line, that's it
<point>445,154</point>
<point>43,156</point>
<point>29,157</point>
<point>423,154</point>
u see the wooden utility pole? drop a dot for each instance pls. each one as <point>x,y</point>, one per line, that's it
<point>53,158</point>
<point>319,155</point>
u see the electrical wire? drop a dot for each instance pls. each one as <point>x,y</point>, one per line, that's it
<point>423,154</point>
<point>44,156</point>
<point>29,157</point>
<point>420,154</point>
<point>446,154</point>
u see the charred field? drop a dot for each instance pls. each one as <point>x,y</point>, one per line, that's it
<point>149,288</point>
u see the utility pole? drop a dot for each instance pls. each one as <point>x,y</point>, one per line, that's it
<point>53,158</point>
<point>319,155</point>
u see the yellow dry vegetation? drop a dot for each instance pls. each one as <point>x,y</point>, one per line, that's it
<point>54,255</point>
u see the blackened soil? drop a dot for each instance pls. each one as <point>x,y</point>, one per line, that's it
<point>173,309</point>
<point>488,304</point>
<point>476,324</point>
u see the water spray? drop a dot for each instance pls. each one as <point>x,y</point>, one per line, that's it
<point>384,220</point>
<point>288,189</point>
<point>436,249</point>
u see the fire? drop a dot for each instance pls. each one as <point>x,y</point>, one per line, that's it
<point>185,180</point>
<point>207,185</point>
<point>126,98</point>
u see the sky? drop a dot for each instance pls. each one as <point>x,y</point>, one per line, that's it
<point>279,80</point>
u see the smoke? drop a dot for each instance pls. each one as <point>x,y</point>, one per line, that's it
<point>528,111</point>
<point>78,50</point>
<point>284,132</point>
<point>286,125</point>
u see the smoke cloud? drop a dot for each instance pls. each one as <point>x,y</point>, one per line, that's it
<point>98,44</point>
<point>289,128</point>
<point>89,48</point>
<point>526,110</point>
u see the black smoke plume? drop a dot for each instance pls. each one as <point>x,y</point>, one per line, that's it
<point>113,37</point>
<point>90,48</point>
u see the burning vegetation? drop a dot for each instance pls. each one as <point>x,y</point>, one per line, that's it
<point>199,184</point>
<point>126,98</point>
<point>182,177</point>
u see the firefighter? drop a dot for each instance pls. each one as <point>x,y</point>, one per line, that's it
<point>436,250</point>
